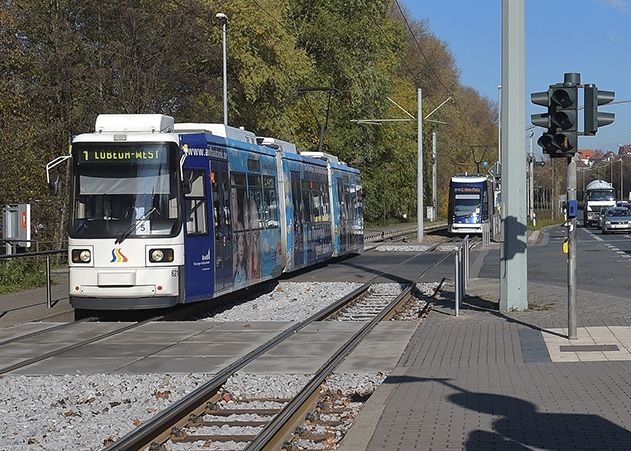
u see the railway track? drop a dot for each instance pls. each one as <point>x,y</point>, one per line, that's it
<point>69,347</point>
<point>201,418</point>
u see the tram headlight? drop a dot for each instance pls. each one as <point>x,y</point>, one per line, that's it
<point>160,255</point>
<point>81,256</point>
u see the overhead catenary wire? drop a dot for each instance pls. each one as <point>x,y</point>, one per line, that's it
<point>436,75</point>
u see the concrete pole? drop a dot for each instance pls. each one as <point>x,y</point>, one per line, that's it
<point>434,182</point>
<point>513,268</point>
<point>419,177</point>
<point>499,124</point>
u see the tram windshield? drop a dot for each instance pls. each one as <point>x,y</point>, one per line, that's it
<point>122,187</point>
<point>466,204</point>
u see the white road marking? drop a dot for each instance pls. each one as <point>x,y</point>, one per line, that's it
<point>612,247</point>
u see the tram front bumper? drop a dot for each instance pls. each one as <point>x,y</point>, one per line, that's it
<point>103,286</point>
<point>465,228</point>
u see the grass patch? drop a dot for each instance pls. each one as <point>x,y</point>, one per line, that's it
<point>21,274</point>
<point>545,222</point>
<point>537,307</point>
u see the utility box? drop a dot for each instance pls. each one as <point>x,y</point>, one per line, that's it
<point>16,226</point>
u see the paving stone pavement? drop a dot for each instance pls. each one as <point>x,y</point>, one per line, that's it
<point>486,380</point>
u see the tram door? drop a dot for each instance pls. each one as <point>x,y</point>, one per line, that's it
<point>296,195</point>
<point>198,242</point>
<point>343,201</point>
<point>223,224</point>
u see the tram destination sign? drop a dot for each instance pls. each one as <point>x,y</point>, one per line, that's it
<point>155,154</point>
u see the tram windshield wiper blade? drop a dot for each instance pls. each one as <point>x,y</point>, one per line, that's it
<point>132,227</point>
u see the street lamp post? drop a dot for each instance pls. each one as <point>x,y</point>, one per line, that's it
<point>621,179</point>
<point>419,166</point>
<point>223,19</point>
<point>434,180</point>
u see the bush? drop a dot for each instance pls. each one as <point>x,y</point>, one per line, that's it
<point>21,274</point>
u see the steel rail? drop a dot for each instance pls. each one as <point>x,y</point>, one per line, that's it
<point>273,435</point>
<point>144,434</point>
<point>70,347</point>
<point>45,331</point>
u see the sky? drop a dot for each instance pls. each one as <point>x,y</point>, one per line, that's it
<point>591,37</point>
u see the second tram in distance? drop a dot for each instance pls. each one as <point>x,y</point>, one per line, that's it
<point>165,213</point>
<point>471,203</point>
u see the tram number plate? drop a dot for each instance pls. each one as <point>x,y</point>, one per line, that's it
<point>143,227</point>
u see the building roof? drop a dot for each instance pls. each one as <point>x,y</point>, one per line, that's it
<point>588,154</point>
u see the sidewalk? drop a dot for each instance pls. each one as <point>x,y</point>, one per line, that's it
<point>489,380</point>
<point>30,305</point>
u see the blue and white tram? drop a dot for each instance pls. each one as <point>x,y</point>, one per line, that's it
<point>471,203</point>
<point>167,213</point>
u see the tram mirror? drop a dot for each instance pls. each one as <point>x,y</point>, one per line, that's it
<point>187,182</point>
<point>53,184</point>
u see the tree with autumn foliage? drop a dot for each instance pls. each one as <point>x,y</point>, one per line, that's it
<point>62,62</point>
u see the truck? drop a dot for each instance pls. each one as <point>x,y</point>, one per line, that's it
<point>598,194</point>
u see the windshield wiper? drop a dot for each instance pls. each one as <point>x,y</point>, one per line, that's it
<point>132,227</point>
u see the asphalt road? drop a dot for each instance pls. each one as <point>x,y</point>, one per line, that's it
<point>603,261</point>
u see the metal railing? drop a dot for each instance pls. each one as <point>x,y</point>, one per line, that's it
<point>377,236</point>
<point>486,234</point>
<point>461,272</point>
<point>47,254</point>
<point>496,228</point>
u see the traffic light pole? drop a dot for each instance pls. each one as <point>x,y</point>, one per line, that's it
<point>571,256</point>
<point>561,140</point>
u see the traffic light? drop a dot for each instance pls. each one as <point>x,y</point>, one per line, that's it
<point>564,119</point>
<point>594,118</point>
<point>561,136</point>
<point>541,98</point>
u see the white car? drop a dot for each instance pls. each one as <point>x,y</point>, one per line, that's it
<point>601,215</point>
<point>616,219</point>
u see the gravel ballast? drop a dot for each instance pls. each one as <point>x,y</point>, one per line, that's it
<point>83,412</point>
<point>288,301</point>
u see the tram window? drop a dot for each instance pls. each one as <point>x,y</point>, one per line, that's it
<point>270,209</point>
<point>173,213</point>
<point>316,205</point>
<point>238,200</point>
<point>237,179</point>
<point>196,223</point>
<point>254,165</point>
<point>215,194</point>
<point>271,213</point>
<point>255,202</point>
<point>306,202</point>
<point>269,182</point>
